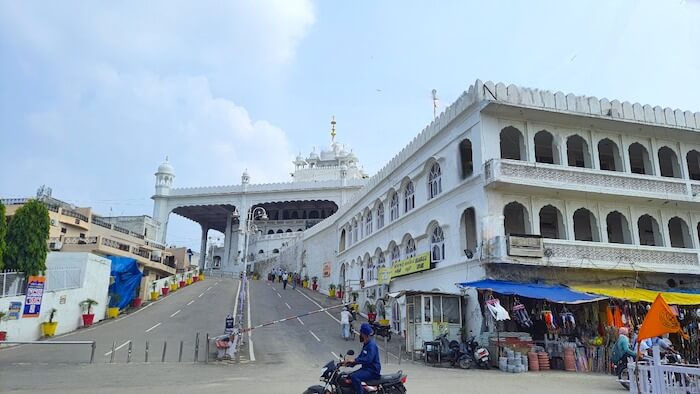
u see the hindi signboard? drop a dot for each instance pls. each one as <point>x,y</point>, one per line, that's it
<point>14,310</point>
<point>35,292</point>
<point>383,275</point>
<point>411,265</point>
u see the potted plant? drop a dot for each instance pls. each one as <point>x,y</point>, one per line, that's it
<point>3,334</point>
<point>331,290</point>
<point>154,294</point>
<point>383,320</point>
<point>48,329</point>
<point>201,275</point>
<point>113,310</point>
<point>182,283</point>
<point>340,290</point>
<point>195,278</point>
<point>305,282</point>
<point>173,284</point>
<point>88,316</point>
<point>137,301</point>
<point>189,279</point>
<point>314,284</point>
<point>371,312</point>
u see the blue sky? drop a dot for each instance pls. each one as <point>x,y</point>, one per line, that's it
<point>94,95</point>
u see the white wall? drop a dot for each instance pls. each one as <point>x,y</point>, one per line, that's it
<point>94,284</point>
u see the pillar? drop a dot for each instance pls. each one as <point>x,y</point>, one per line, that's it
<point>161,213</point>
<point>227,245</point>
<point>203,246</point>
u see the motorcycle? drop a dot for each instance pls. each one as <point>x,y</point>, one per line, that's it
<point>338,382</point>
<point>476,355</point>
<point>448,351</point>
<point>381,330</point>
<point>623,375</point>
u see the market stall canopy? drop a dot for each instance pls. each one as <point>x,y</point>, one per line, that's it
<point>643,295</point>
<point>553,293</point>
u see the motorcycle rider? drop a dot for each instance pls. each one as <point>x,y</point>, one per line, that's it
<point>622,349</point>
<point>345,318</point>
<point>368,358</point>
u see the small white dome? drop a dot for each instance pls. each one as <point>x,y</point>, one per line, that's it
<point>299,158</point>
<point>166,168</point>
<point>313,155</point>
<point>327,154</point>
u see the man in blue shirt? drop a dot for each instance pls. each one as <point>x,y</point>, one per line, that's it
<point>368,358</point>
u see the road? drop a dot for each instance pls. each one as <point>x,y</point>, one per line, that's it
<point>198,308</point>
<point>281,358</point>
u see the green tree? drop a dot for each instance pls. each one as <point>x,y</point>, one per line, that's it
<point>26,238</point>
<point>3,233</point>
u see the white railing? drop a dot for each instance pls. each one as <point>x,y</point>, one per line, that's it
<point>63,279</point>
<point>13,284</point>
<point>655,377</point>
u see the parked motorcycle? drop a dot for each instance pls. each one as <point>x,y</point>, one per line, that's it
<point>381,330</point>
<point>447,352</point>
<point>338,382</point>
<point>475,355</point>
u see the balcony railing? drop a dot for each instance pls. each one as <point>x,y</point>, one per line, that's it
<point>553,176</point>
<point>74,214</point>
<point>102,223</point>
<point>139,252</point>
<point>80,241</point>
<point>120,229</point>
<point>155,245</point>
<point>115,244</point>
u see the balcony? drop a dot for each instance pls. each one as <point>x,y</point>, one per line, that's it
<point>602,256</point>
<point>73,218</point>
<point>505,173</point>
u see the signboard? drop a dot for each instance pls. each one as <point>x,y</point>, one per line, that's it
<point>13,310</point>
<point>383,275</point>
<point>35,292</point>
<point>525,245</point>
<point>326,270</point>
<point>411,265</point>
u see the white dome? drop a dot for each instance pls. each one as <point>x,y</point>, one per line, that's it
<point>299,158</point>
<point>313,155</point>
<point>166,168</point>
<point>327,154</point>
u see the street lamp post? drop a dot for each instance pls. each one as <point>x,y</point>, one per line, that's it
<point>253,214</point>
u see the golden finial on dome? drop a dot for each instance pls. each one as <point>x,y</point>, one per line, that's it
<point>333,133</point>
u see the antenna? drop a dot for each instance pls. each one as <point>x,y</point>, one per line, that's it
<point>436,103</point>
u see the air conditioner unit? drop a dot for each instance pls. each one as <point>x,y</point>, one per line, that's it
<point>53,222</point>
<point>57,245</point>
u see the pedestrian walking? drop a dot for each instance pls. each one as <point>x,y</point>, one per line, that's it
<point>285,277</point>
<point>345,317</point>
<point>295,277</point>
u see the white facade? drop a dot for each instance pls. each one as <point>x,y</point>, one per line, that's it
<point>506,161</point>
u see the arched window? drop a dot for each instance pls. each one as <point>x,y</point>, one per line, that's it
<point>649,233</point>
<point>295,215</point>
<point>618,228</point>
<point>465,156</point>
<point>609,155</point>
<point>270,231</point>
<point>410,248</point>
<point>585,226</point>
<point>434,181</point>
<point>275,250</point>
<point>381,260</point>
<point>394,206</point>
<point>371,270</point>
<point>409,197</point>
<point>261,251</point>
<point>355,231</point>
<point>395,253</point>
<point>298,230</point>
<point>516,219</point>
<point>668,163</point>
<point>313,215</point>
<point>577,152</point>
<point>545,149</point>
<point>551,223</point>
<point>693,159</point>
<point>289,230</point>
<point>368,223</point>
<point>341,246</point>
<point>468,231</point>
<point>380,216</point>
<point>280,231</point>
<point>639,159</point>
<point>679,233</point>
<point>512,145</point>
<point>285,215</point>
<point>437,245</point>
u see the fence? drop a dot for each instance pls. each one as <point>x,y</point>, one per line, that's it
<point>655,377</point>
<point>15,283</point>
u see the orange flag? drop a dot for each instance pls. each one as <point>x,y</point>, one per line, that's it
<point>660,320</point>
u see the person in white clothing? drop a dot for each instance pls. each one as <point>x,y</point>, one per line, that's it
<point>345,317</point>
<point>285,277</point>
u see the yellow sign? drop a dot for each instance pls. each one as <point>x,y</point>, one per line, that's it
<point>383,275</point>
<point>411,265</point>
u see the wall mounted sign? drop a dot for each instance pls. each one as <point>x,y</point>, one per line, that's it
<point>411,265</point>
<point>35,292</point>
<point>383,275</point>
<point>13,310</point>
<point>326,270</point>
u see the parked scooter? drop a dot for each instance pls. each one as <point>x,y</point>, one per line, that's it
<point>448,352</point>
<point>338,382</point>
<point>476,355</point>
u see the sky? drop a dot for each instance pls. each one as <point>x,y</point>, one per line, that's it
<point>95,95</point>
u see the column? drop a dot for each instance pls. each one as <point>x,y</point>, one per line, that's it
<point>203,246</point>
<point>227,245</point>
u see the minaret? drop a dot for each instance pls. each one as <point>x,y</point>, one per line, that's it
<point>333,133</point>
<point>164,181</point>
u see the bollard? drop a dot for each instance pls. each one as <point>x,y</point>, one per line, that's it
<point>400,352</point>
<point>146,351</point>
<point>165,346</point>
<point>179,357</point>
<point>128,354</point>
<point>92,352</point>
<point>206,358</point>
<point>386,350</point>
<point>196,348</point>
<point>111,355</point>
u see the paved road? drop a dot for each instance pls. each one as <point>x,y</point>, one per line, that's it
<point>200,307</point>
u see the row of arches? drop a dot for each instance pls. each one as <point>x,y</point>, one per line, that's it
<point>578,154</point>
<point>586,227</point>
<point>280,231</point>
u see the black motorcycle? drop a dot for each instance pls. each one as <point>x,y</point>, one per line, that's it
<point>338,382</point>
<point>447,352</point>
<point>381,330</point>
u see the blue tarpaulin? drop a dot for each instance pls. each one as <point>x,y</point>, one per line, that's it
<point>127,279</point>
<point>553,293</point>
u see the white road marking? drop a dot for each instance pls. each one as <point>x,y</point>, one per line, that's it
<point>288,307</point>
<point>279,295</point>
<point>250,340</point>
<point>334,355</point>
<point>318,305</point>
<point>215,284</point>
<point>178,311</point>
<point>302,323</point>
<point>152,328</point>
<point>190,303</point>
<point>238,293</point>
<point>200,296</point>
<point>208,288</point>
<point>117,348</point>
<point>314,335</point>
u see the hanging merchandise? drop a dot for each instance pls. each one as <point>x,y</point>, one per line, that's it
<point>609,316</point>
<point>497,311</point>
<point>617,317</point>
<point>521,315</point>
<point>568,322</point>
<point>549,319</point>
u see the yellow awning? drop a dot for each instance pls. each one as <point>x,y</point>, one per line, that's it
<point>637,295</point>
